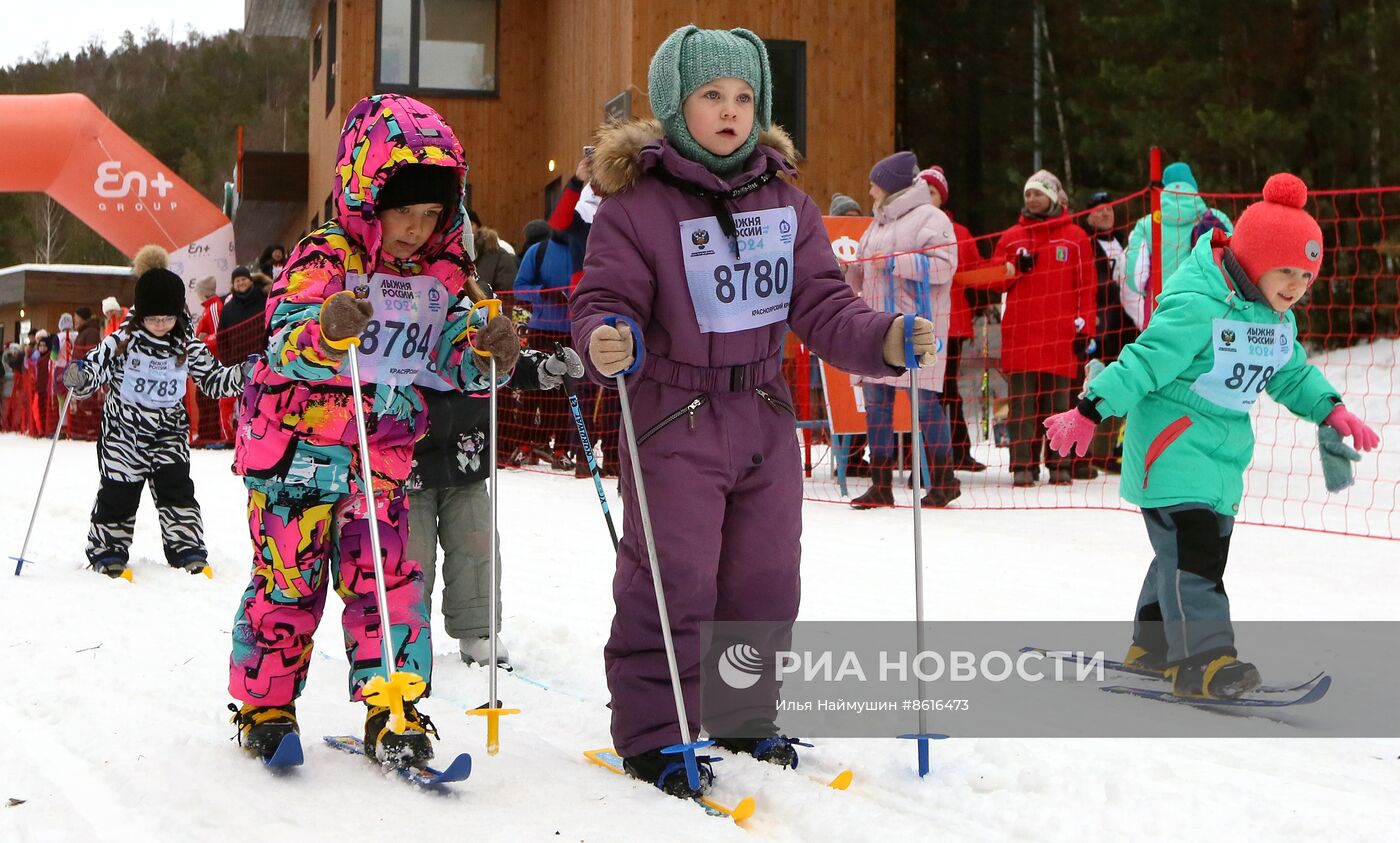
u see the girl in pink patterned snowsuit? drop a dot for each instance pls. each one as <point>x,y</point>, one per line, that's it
<point>390,270</point>
<point>708,250</point>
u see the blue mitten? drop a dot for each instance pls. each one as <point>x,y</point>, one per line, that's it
<point>1337,458</point>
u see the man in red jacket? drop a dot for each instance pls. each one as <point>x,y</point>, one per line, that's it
<point>1049,321</point>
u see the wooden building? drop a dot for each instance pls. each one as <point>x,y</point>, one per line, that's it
<point>526,82</point>
<point>34,295</point>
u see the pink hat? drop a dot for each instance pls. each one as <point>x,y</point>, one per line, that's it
<point>1278,232</point>
<point>934,176</point>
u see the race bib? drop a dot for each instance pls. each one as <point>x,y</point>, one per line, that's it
<point>1247,356</point>
<point>157,383</point>
<point>409,312</point>
<point>755,289</point>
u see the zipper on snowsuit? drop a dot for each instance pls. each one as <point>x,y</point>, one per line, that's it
<point>688,409</point>
<point>777,404</point>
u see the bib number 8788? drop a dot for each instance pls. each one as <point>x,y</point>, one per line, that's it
<point>769,278</point>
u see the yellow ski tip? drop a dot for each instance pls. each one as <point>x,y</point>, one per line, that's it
<point>126,575</point>
<point>842,781</point>
<point>208,571</point>
<point>744,809</point>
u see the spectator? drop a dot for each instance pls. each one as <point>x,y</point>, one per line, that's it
<point>543,285</point>
<point>1182,211</point>
<point>495,263</point>
<point>1050,318</point>
<point>917,279</point>
<point>17,391</point>
<point>206,425</point>
<point>959,325</point>
<point>41,361</point>
<point>113,314</point>
<point>1116,325</point>
<point>246,300</point>
<point>571,221</point>
<point>844,206</point>
<point>89,330</point>
<point>272,260</point>
<point>85,415</point>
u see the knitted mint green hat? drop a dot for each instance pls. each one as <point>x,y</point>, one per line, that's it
<point>691,57</point>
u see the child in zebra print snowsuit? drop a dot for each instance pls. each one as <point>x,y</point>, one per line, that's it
<point>145,365</point>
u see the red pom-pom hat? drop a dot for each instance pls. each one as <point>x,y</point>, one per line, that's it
<point>1278,232</point>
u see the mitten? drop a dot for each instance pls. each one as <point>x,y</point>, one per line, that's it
<point>923,342</point>
<point>498,338</point>
<point>1337,458</point>
<point>1348,424</point>
<point>1070,432</point>
<point>343,317</point>
<point>610,349</point>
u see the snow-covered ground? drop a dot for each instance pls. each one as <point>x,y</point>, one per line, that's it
<point>113,726</point>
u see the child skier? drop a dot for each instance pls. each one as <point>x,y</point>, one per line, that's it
<point>706,248</point>
<point>1222,334</point>
<point>145,431</point>
<point>450,504</point>
<point>389,269</point>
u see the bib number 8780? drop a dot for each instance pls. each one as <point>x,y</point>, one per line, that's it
<point>770,278</point>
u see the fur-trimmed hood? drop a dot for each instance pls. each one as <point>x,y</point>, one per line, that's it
<point>626,151</point>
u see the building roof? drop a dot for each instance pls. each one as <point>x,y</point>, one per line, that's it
<point>66,268</point>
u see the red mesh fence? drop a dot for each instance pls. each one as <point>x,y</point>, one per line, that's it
<point>1014,355</point>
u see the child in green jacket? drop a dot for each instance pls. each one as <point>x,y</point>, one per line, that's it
<point>1221,335</point>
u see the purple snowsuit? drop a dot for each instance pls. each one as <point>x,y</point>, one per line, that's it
<point>713,417</point>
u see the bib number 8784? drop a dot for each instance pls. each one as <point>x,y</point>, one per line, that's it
<point>769,278</point>
<point>389,333</point>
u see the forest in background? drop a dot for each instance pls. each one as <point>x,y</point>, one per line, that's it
<point>1238,90</point>
<point>182,100</point>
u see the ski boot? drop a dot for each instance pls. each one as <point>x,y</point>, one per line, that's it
<point>478,651</point>
<point>779,749</point>
<point>112,566</point>
<point>1221,678</point>
<point>194,563</point>
<point>410,749</point>
<point>1022,478</point>
<point>1139,658</point>
<point>261,728</point>
<point>667,772</point>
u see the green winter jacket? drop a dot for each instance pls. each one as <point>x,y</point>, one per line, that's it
<point>1188,382</point>
<point>1181,210</point>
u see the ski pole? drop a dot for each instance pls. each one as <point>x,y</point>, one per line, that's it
<point>911,362</point>
<point>587,448</point>
<point>394,688</point>
<point>686,749</point>
<point>492,711</point>
<point>43,481</point>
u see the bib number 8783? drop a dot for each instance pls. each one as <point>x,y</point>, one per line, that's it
<point>769,278</point>
<point>155,388</point>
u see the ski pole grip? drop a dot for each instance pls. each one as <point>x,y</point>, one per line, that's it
<point>638,352</point>
<point>911,360</point>
<point>493,309</point>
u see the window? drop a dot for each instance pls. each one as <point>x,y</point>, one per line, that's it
<point>316,53</point>
<point>330,56</point>
<point>788,60</point>
<point>441,46</point>
<point>552,192</point>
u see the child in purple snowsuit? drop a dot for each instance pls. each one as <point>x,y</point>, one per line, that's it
<point>704,245</point>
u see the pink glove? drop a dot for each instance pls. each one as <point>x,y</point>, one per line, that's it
<point>1348,424</point>
<point>1070,432</point>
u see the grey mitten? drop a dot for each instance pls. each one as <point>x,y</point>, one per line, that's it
<point>73,375</point>
<point>1337,458</point>
<point>563,362</point>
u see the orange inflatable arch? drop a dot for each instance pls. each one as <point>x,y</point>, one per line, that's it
<point>64,146</point>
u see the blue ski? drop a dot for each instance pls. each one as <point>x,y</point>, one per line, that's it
<point>1079,658</point>
<point>458,770</point>
<point>1314,693</point>
<point>287,754</point>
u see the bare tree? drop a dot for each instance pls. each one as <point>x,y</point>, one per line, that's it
<point>47,217</point>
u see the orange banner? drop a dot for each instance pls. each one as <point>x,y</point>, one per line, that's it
<point>64,146</point>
